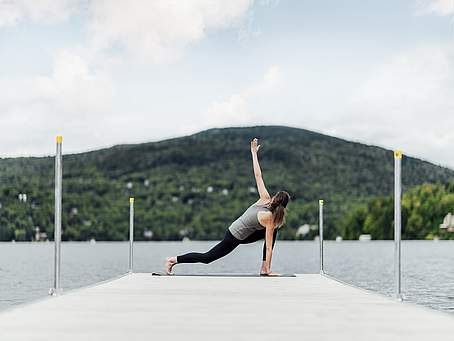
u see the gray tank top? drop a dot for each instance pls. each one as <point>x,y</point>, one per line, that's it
<point>248,223</point>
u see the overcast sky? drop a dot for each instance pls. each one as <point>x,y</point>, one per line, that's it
<point>103,72</point>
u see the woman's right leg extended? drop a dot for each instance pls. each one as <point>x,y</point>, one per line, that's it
<point>224,247</point>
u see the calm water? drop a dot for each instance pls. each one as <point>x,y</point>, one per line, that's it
<point>428,267</point>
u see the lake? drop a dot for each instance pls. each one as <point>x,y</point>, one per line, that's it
<point>26,269</point>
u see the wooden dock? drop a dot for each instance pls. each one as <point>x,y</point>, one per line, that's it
<point>144,307</point>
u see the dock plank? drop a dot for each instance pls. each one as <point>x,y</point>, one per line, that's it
<point>145,307</point>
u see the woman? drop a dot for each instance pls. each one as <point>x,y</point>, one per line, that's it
<point>259,221</point>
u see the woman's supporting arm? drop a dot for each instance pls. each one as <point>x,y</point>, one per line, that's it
<point>269,248</point>
<point>264,247</point>
<point>263,193</point>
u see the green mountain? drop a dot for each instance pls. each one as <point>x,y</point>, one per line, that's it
<point>196,185</point>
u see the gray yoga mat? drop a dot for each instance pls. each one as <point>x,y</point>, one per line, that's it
<point>220,275</point>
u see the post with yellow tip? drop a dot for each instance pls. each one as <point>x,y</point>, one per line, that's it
<point>131,233</point>
<point>397,223</point>
<point>320,224</point>
<point>57,219</point>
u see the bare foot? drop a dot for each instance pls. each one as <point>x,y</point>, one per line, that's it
<point>274,274</point>
<point>271,274</point>
<point>170,262</point>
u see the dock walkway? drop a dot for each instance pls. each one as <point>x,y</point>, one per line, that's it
<point>144,307</point>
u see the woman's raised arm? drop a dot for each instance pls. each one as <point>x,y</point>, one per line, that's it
<point>263,193</point>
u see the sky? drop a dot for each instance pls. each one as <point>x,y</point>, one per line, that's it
<point>106,72</point>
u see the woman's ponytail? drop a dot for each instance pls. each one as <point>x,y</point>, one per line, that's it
<point>277,206</point>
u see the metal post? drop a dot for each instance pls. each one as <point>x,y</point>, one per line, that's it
<point>57,220</point>
<point>131,233</point>
<point>320,221</point>
<point>397,223</point>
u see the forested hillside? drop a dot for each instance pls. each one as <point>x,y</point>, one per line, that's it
<point>423,209</point>
<point>194,186</point>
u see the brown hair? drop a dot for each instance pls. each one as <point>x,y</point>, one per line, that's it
<point>277,206</point>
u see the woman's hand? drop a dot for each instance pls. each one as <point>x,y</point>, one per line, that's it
<point>255,146</point>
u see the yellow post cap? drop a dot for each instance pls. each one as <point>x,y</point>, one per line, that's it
<point>59,139</point>
<point>398,154</point>
<point>321,202</point>
<point>131,200</point>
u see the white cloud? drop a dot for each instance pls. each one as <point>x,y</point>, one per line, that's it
<point>44,11</point>
<point>78,97</point>
<point>439,7</point>
<point>406,103</point>
<point>239,108</point>
<point>153,31</point>
<point>160,30</point>
<point>72,98</point>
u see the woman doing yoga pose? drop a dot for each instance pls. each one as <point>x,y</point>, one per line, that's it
<point>260,221</point>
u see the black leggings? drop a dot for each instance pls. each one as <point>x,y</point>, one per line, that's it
<point>224,247</point>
